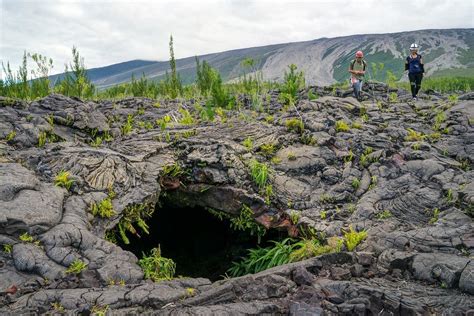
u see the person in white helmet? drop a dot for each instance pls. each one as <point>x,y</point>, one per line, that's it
<point>415,67</point>
<point>357,70</point>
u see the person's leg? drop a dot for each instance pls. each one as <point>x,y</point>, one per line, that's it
<point>359,90</point>
<point>354,87</point>
<point>411,77</point>
<point>418,79</point>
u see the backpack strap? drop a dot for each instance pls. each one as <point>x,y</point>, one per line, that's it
<point>352,64</point>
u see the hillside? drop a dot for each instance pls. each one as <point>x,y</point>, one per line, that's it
<point>324,61</point>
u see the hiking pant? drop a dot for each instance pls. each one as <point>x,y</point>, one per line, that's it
<point>357,88</point>
<point>415,83</point>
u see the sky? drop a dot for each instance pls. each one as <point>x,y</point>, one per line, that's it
<point>108,32</point>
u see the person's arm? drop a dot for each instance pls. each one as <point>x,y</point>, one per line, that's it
<point>422,66</point>
<point>406,64</point>
<point>351,68</point>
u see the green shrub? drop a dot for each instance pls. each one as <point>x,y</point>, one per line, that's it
<point>163,122</point>
<point>58,307</point>
<point>342,126</point>
<point>46,136</point>
<point>293,81</point>
<point>373,182</point>
<point>75,81</point>
<point>187,118</point>
<point>25,237</point>
<point>173,170</point>
<point>104,209</point>
<point>353,238</point>
<point>96,142</point>
<point>259,173</point>
<point>128,126</point>
<point>291,156</point>
<point>323,215</point>
<point>98,310</point>
<point>356,125</point>
<point>414,135</point>
<point>435,216</point>
<point>134,215</point>
<point>393,97</point>
<point>385,214</point>
<point>439,119</point>
<point>355,183</point>
<point>157,268</point>
<point>349,157</point>
<point>7,248</point>
<point>295,217</point>
<point>282,252</point>
<point>76,267</point>
<point>245,222</point>
<point>312,96</point>
<point>268,150</point>
<point>248,143</point>
<point>260,259</point>
<point>308,248</point>
<point>10,136</point>
<point>63,179</point>
<point>295,125</point>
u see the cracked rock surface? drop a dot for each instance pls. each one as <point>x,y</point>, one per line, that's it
<point>402,172</point>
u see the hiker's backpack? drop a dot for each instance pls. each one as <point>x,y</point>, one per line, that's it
<point>414,64</point>
<point>363,63</point>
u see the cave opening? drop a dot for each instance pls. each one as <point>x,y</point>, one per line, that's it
<point>201,244</point>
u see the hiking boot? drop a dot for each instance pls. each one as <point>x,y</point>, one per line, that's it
<point>415,99</point>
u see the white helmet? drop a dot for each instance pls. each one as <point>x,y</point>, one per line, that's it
<point>414,46</point>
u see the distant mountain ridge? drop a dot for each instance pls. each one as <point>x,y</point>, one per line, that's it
<point>324,61</point>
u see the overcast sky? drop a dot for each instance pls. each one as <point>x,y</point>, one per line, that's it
<point>108,32</point>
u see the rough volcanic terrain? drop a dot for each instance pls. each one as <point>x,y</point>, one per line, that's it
<point>402,172</point>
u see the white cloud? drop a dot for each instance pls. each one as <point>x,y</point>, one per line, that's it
<point>108,32</point>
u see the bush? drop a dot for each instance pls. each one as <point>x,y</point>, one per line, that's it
<point>63,179</point>
<point>156,267</point>
<point>134,215</point>
<point>295,125</point>
<point>104,209</point>
<point>75,82</point>
<point>353,238</point>
<point>285,251</point>
<point>76,267</point>
<point>18,85</point>
<point>260,173</point>
<point>293,81</point>
<point>260,259</point>
<point>342,126</point>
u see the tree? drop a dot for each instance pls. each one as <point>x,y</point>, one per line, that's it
<point>176,86</point>
<point>75,82</point>
<point>205,76</point>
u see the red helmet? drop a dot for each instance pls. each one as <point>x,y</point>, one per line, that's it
<point>359,54</point>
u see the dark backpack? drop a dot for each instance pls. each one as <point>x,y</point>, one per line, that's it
<point>363,63</point>
<point>414,64</point>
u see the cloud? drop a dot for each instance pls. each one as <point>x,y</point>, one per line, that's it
<point>108,32</point>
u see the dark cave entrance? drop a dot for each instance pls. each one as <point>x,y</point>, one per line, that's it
<point>199,243</point>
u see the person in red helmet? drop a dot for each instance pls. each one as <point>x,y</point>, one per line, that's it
<point>357,69</point>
